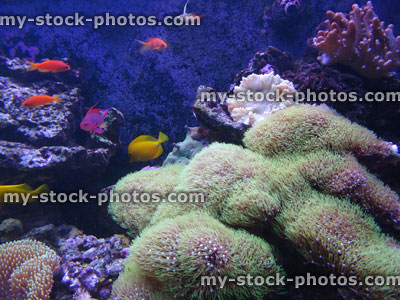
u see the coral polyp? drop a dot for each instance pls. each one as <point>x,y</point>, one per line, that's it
<point>304,128</point>
<point>177,256</point>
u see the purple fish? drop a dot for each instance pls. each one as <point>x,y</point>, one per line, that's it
<point>94,120</point>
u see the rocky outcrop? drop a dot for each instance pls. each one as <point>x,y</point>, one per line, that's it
<point>45,144</point>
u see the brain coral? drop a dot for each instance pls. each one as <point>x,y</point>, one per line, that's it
<point>27,269</point>
<point>171,257</point>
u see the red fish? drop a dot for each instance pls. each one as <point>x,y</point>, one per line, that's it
<point>40,100</point>
<point>54,66</point>
<point>94,120</point>
<point>153,44</point>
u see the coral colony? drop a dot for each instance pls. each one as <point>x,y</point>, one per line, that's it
<point>359,41</point>
<point>283,188</point>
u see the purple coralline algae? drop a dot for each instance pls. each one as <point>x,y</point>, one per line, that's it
<point>90,265</point>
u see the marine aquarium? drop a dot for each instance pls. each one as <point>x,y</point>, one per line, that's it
<point>199,150</point>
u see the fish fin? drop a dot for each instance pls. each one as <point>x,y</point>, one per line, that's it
<point>144,138</point>
<point>93,109</point>
<point>105,112</point>
<point>131,159</point>
<point>43,71</point>
<point>91,131</point>
<point>44,188</point>
<point>98,130</point>
<point>32,66</point>
<point>185,7</point>
<point>162,137</point>
<point>160,151</point>
<point>103,126</point>
<point>56,98</point>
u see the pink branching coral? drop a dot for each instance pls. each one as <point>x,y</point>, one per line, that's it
<point>27,269</point>
<point>359,41</point>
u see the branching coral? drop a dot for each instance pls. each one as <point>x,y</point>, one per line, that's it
<point>172,257</point>
<point>304,128</point>
<point>27,269</point>
<point>246,105</point>
<point>360,41</point>
<point>129,208</point>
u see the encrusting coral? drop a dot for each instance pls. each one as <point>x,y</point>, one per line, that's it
<point>300,179</point>
<point>359,41</point>
<point>172,257</point>
<point>248,107</point>
<point>27,269</point>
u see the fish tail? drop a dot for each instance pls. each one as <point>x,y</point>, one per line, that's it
<point>32,67</point>
<point>162,138</point>
<point>44,188</point>
<point>57,98</point>
<point>144,48</point>
<point>143,43</point>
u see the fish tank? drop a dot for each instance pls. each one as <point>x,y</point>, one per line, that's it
<point>199,150</point>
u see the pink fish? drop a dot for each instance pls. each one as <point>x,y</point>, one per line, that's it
<point>94,120</point>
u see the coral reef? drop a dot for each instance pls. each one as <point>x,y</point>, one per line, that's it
<point>10,229</point>
<point>42,144</point>
<point>129,208</point>
<point>184,151</point>
<point>303,128</point>
<point>90,265</point>
<point>340,239</point>
<point>170,258</point>
<point>27,270</point>
<point>232,178</point>
<point>18,48</point>
<point>284,11</point>
<point>246,106</point>
<point>211,110</point>
<point>271,59</point>
<point>360,41</point>
<point>299,181</point>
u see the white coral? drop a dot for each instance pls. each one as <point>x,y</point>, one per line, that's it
<point>275,94</point>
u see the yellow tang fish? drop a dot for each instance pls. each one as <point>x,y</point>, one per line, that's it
<point>22,190</point>
<point>145,147</point>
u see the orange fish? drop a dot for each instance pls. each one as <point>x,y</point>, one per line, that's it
<point>153,44</point>
<point>40,100</point>
<point>54,66</point>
